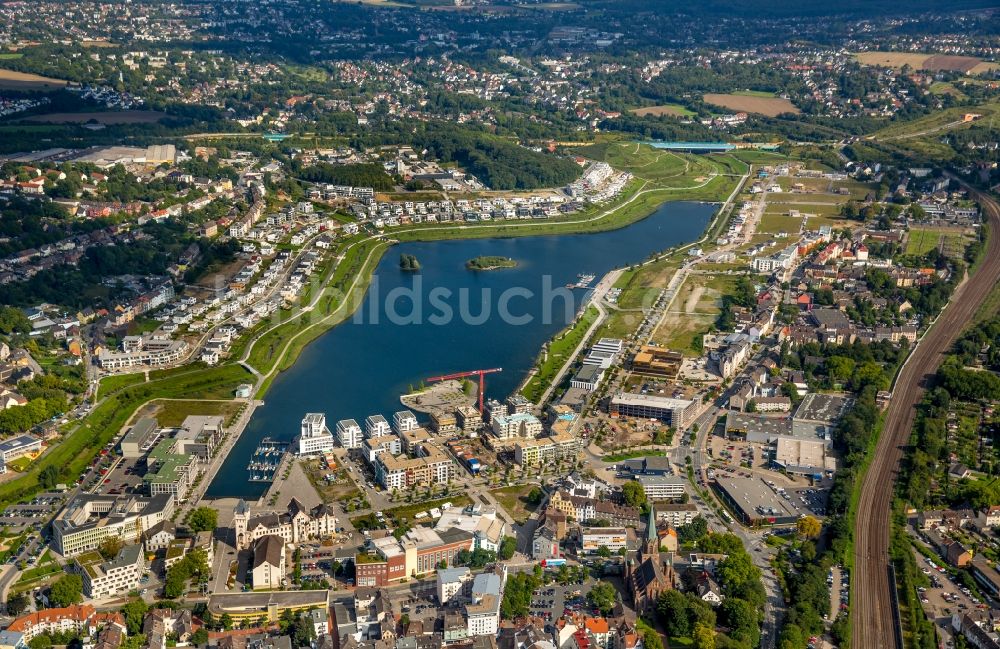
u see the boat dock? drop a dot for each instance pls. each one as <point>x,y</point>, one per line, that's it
<point>266,459</point>
<point>583,280</point>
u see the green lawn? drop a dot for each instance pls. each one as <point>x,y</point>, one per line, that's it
<point>631,455</point>
<point>406,512</point>
<point>515,502</point>
<point>560,349</point>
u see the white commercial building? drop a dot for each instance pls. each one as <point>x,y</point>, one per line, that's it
<point>482,614</point>
<point>103,579</point>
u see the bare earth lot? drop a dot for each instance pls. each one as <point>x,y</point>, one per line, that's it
<point>770,106</point>
<point>114,117</point>
<point>11,80</point>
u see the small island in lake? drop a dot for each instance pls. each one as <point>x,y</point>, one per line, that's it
<point>489,262</point>
<point>409,263</point>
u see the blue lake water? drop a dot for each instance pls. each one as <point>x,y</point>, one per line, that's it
<point>362,366</point>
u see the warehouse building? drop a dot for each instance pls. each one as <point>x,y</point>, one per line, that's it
<point>754,503</point>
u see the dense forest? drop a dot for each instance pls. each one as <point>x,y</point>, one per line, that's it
<point>355,175</point>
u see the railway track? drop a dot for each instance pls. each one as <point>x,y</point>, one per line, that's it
<point>871,606</point>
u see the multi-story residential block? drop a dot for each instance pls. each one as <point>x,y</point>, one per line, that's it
<point>452,582</point>
<point>80,619</point>
<point>139,351</point>
<point>520,424</point>
<point>403,421</point>
<point>315,437</point>
<point>349,433</point>
<point>482,614</point>
<point>545,450</point>
<point>376,426</point>
<point>397,472</point>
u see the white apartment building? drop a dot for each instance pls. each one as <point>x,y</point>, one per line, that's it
<point>404,421</point>
<point>452,582</point>
<point>315,436</point>
<point>349,433</point>
<point>521,424</point>
<point>482,614</point>
<point>376,426</point>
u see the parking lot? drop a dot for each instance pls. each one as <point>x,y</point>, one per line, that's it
<point>945,596</point>
<point>34,514</point>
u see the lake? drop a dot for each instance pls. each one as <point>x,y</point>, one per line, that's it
<point>403,333</point>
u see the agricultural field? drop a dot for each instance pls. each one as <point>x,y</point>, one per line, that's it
<point>930,62</point>
<point>767,105</point>
<point>12,80</point>
<point>672,110</point>
<point>104,117</point>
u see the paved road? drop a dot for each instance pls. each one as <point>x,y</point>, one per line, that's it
<point>873,620</point>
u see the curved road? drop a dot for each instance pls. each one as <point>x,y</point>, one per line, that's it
<point>872,608</point>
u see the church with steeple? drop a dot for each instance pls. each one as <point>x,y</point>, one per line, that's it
<point>649,572</point>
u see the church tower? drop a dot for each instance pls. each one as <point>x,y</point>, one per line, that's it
<point>652,545</point>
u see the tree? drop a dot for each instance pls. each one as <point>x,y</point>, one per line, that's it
<point>203,519</point>
<point>535,496</point>
<point>200,636</point>
<point>49,477</point>
<point>634,494</point>
<point>672,607</point>
<point>67,591</point>
<point>704,637</point>
<point>809,527</point>
<point>604,551</point>
<point>742,619</point>
<point>603,596</point>
<point>694,531</point>
<point>651,640</point>
<point>227,621</point>
<point>16,604</point>
<point>110,547</point>
<point>508,546</point>
<point>134,611</point>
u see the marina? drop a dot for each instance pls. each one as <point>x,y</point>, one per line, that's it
<point>583,280</point>
<point>266,459</point>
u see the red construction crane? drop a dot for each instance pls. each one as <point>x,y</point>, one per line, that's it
<point>462,375</point>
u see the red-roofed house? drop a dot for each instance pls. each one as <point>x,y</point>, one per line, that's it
<point>82,618</point>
